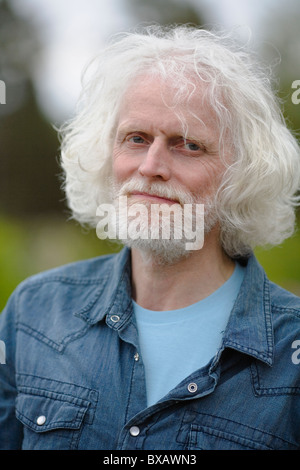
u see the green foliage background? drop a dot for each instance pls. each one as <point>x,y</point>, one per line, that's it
<point>37,244</point>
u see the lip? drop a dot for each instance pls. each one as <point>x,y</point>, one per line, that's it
<point>154,197</point>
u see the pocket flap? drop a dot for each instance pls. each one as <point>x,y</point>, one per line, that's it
<point>42,413</point>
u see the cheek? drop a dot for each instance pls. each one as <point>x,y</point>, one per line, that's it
<point>206,177</point>
<point>121,165</point>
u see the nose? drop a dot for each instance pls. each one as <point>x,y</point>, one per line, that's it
<point>156,162</point>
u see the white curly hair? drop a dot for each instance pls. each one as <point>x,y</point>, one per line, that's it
<point>258,196</point>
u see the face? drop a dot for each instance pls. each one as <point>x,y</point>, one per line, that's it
<point>154,157</point>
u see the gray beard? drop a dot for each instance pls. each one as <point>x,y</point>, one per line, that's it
<point>163,251</point>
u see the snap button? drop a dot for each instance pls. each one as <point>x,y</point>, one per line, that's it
<point>192,387</point>
<point>115,318</point>
<point>134,431</point>
<point>41,420</point>
<point>136,356</point>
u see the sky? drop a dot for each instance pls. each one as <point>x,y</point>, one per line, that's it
<point>74,30</point>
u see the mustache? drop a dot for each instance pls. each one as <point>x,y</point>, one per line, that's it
<point>164,190</point>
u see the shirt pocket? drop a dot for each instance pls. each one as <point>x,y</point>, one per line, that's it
<point>203,431</point>
<point>52,420</point>
<point>204,438</point>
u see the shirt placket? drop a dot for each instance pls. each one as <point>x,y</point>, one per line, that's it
<point>138,429</point>
<point>125,327</point>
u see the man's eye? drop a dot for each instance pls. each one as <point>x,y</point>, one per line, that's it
<point>191,146</point>
<point>136,139</point>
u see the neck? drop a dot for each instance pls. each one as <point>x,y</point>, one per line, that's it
<point>169,287</point>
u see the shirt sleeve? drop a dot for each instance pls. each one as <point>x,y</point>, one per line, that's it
<point>11,430</point>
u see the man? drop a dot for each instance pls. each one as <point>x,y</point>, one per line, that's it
<point>166,345</point>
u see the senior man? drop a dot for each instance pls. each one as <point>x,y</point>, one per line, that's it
<point>165,345</point>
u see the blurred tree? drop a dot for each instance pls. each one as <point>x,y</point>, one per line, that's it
<point>29,145</point>
<point>281,30</point>
<point>19,45</point>
<point>165,11</point>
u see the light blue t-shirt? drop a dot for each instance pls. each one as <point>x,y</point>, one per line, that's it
<point>175,343</point>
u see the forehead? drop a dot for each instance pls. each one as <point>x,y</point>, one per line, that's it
<point>151,98</point>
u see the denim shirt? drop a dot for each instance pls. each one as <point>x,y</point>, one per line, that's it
<point>74,378</point>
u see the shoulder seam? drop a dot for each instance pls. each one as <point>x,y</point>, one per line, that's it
<point>289,310</point>
<point>31,281</point>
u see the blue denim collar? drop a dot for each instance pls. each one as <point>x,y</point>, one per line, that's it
<point>249,329</point>
<point>112,295</point>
